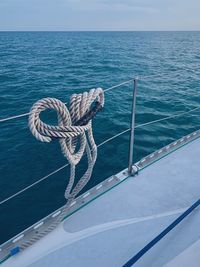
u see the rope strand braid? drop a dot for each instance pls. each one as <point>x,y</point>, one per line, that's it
<point>74,130</point>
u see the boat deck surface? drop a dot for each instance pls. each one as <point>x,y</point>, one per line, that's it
<point>112,228</point>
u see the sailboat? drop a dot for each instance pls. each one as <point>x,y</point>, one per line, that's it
<point>146,215</point>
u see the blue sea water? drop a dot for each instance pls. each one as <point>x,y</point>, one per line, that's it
<point>34,65</point>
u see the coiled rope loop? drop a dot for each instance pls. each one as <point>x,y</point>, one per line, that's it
<point>70,134</point>
<point>75,135</point>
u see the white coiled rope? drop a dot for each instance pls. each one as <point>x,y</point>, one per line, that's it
<point>74,140</point>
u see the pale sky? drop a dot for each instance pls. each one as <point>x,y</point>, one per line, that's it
<point>70,15</point>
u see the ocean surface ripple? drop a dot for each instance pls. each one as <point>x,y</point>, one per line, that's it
<point>34,65</point>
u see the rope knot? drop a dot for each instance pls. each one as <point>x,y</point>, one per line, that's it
<point>74,130</point>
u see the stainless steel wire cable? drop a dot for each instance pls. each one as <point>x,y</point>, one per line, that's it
<point>104,142</point>
<point>168,117</point>
<point>139,77</point>
<point>57,170</point>
<point>28,113</point>
<point>99,145</point>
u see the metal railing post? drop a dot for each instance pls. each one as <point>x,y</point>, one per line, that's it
<point>132,132</point>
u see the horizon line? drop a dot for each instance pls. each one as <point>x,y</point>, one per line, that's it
<point>99,30</point>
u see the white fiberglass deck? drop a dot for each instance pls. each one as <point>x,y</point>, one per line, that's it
<point>112,228</point>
